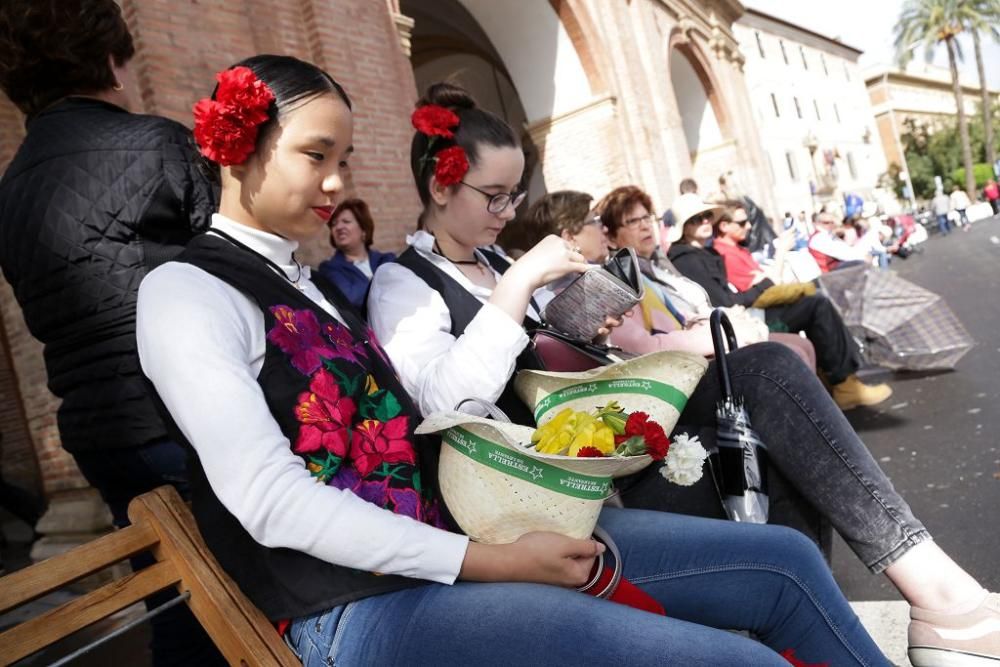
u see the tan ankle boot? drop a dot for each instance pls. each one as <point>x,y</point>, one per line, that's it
<point>852,392</point>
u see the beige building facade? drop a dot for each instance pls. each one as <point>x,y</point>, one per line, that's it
<point>812,111</point>
<point>921,92</point>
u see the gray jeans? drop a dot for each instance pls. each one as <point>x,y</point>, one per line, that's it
<point>820,470</point>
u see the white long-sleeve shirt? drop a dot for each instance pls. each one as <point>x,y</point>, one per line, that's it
<point>413,323</point>
<point>202,343</point>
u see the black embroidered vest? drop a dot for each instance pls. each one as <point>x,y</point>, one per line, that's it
<point>337,399</point>
<point>463,307</point>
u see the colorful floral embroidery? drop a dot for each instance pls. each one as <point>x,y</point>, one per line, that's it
<point>344,345</point>
<point>352,433</point>
<point>378,442</point>
<point>297,334</point>
<point>325,416</point>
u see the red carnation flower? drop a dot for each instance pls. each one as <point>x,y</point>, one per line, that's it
<point>434,120</point>
<point>657,443</point>
<point>590,452</point>
<point>226,128</point>
<point>451,165</point>
<point>636,424</point>
<point>248,96</point>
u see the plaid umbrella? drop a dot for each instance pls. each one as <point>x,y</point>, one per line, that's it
<point>901,324</point>
<point>739,460</point>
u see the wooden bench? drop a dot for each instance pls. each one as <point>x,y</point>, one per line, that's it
<point>162,524</point>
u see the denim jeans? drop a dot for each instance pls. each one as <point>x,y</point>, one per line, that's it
<point>120,475</point>
<point>819,457</point>
<point>709,575</point>
<point>943,224</point>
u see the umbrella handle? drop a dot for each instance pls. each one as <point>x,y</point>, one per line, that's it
<point>719,322</point>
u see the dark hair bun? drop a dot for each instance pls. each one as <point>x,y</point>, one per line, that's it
<point>447,95</point>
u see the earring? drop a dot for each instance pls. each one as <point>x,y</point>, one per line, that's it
<point>118,87</point>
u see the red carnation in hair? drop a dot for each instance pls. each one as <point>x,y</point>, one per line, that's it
<point>451,165</point>
<point>434,120</point>
<point>590,452</point>
<point>226,127</point>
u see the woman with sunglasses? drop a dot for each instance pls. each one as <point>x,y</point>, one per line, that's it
<point>837,354</point>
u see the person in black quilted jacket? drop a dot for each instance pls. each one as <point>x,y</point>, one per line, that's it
<point>94,198</point>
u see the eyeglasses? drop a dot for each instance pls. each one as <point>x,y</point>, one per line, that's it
<point>593,220</point>
<point>499,202</point>
<point>632,223</point>
<point>744,222</point>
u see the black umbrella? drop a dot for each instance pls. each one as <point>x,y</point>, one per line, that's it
<point>739,461</point>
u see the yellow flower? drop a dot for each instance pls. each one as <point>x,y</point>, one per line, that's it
<point>371,386</point>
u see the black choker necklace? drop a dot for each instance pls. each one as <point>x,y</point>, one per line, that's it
<point>461,262</point>
<point>268,261</point>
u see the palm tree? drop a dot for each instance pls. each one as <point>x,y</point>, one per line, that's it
<point>928,23</point>
<point>983,16</point>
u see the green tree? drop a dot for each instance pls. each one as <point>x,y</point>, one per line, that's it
<point>982,16</point>
<point>929,23</point>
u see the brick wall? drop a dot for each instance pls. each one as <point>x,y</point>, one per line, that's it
<point>180,44</point>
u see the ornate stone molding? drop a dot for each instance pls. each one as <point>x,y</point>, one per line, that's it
<point>404,28</point>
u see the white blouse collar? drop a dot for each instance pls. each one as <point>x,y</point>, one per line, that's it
<point>276,248</point>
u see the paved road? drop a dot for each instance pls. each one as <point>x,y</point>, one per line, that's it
<point>938,437</point>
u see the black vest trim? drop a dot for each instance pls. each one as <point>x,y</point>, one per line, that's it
<point>463,307</point>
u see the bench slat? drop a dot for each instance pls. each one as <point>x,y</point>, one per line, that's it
<point>24,585</point>
<point>30,636</point>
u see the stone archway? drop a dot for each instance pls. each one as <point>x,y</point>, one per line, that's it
<point>706,123</point>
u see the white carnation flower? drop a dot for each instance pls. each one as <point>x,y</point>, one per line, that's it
<point>685,461</point>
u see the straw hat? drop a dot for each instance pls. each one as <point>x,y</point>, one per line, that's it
<point>686,207</point>
<point>658,384</point>
<point>498,487</point>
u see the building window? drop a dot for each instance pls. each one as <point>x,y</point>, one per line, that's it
<point>760,44</point>
<point>774,102</point>
<point>798,109</point>
<point>784,54</point>
<point>836,111</point>
<point>802,52</point>
<point>851,167</point>
<point>822,61</point>
<point>793,170</point>
<point>816,107</point>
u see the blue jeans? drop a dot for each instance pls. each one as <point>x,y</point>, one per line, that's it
<point>120,475</point>
<point>709,575</point>
<point>943,224</point>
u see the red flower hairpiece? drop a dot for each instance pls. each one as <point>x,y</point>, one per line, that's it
<point>434,121</point>
<point>226,127</point>
<point>450,165</point>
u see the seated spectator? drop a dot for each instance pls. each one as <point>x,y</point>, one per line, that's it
<point>351,232</point>
<point>744,272</point>
<point>837,354</point>
<point>829,247</point>
<point>567,214</point>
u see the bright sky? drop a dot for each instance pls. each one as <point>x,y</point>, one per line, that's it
<point>870,26</point>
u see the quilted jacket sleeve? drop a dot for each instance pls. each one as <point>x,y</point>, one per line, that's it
<point>188,178</point>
